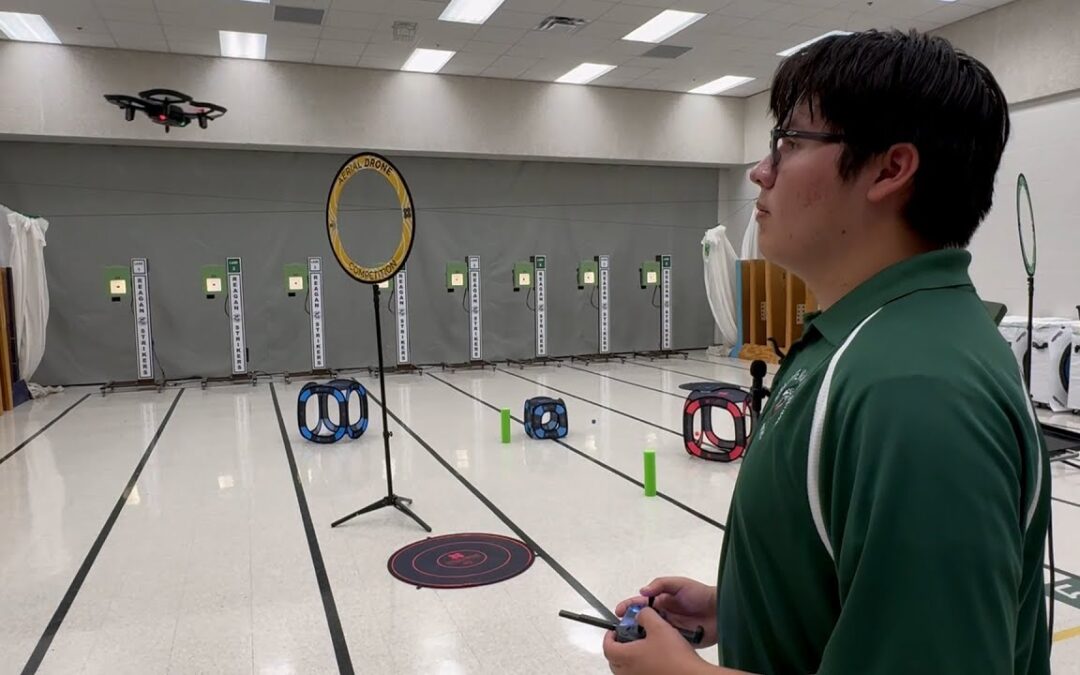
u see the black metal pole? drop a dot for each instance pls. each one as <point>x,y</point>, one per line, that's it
<point>382,388</point>
<point>1030,328</point>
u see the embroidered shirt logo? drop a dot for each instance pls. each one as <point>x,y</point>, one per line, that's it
<point>781,399</point>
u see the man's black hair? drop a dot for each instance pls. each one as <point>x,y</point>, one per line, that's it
<point>882,88</point>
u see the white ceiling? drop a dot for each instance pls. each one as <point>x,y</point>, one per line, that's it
<point>737,37</point>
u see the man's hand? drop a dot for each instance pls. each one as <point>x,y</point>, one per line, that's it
<point>686,603</point>
<point>663,651</point>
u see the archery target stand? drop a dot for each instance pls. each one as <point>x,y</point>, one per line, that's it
<point>144,338</point>
<point>603,315</point>
<point>373,276</point>
<point>400,289</point>
<point>238,349</point>
<point>540,318</point>
<point>665,351</point>
<point>476,322</point>
<point>317,318</point>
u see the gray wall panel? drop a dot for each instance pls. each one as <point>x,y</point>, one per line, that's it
<point>184,208</point>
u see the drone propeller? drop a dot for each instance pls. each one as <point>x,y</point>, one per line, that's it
<point>165,97</point>
<point>207,112</point>
<point>211,111</point>
<point>129,104</point>
<point>125,101</point>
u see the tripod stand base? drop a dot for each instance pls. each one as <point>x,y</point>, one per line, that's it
<point>389,501</point>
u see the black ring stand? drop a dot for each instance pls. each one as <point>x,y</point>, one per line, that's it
<point>391,500</point>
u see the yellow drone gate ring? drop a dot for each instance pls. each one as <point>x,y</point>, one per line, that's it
<point>363,162</point>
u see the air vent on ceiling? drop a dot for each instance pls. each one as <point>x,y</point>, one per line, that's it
<point>561,24</point>
<point>404,31</point>
<point>666,52</point>
<point>306,15</point>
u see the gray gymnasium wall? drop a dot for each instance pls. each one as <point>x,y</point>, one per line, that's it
<point>184,208</point>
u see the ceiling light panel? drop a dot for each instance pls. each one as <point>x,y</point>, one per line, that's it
<point>469,11</point>
<point>585,73</point>
<point>427,60</point>
<point>242,45</point>
<point>27,28</point>
<point>663,25</point>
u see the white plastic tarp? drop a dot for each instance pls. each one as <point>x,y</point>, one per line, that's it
<point>22,247</point>
<point>721,265</point>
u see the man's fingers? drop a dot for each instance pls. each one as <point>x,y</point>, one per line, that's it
<point>648,619</point>
<point>663,585</point>
<point>610,646</point>
<point>621,608</point>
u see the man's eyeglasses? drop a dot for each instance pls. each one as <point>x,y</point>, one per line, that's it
<point>778,135</point>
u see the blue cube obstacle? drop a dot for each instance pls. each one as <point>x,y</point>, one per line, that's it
<point>327,431</point>
<point>545,417</point>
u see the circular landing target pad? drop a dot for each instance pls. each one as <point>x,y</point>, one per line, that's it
<point>460,560</point>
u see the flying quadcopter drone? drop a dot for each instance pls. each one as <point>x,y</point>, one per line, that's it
<point>165,107</point>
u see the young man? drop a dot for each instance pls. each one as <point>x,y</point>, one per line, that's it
<point>891,514</point>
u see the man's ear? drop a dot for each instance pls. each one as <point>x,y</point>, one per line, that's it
<point>896,169</point>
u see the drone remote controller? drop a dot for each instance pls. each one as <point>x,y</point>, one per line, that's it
<point>628,629</point>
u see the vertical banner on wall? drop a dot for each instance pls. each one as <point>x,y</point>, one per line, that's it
<point>604,311</point>
<point>402,296</point>
<point>144,339</point>
<point>476,325</point>
<point>238,335</point>
<point>540,283</point>
<point>665,302</point>
<point>318,349</point>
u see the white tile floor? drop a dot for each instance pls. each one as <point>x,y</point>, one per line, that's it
<point>208,567</point>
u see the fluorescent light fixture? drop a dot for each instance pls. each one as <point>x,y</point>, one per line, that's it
<point>796,48</point>
<point>27,28</point>
<point>469,11</point>
<point>427,60</point>
<point>721,84</point>
<point>585,73</point>
<point>663,25</point>
<point>261,2</point>
<point>242,45</point>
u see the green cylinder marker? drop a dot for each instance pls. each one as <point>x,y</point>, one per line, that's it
<point>650,473</point>
<point>505,425</point>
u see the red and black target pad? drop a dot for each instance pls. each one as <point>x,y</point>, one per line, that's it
<point>461,560</point>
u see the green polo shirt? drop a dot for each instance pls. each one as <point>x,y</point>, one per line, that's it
<point>891,513</point>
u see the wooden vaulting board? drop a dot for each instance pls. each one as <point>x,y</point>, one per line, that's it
<point>7,385</point>
<point>774,305</point>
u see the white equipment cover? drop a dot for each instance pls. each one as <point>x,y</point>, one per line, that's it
<point>1014,330</point>
<point>30,289</point>
<point>1051,343</point>
<point>1074,371</point>
<point>721,265</point>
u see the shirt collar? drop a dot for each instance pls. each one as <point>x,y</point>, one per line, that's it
<point>944,268</point>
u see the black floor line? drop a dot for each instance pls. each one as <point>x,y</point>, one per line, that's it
<point>42,647</point>
<point>529,541</point>
<point>333,621</point>
<point>632,384</point>
<point>603,465</point>
<point>1065,501</point>
<point>715,363</point>
<point>599,405</point>
<point>700,376</point>
<point>42,430</point>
